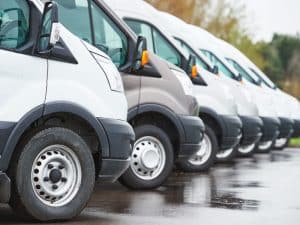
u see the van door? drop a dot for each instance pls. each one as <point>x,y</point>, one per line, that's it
<point>22,76</point>
<point>96,27</point>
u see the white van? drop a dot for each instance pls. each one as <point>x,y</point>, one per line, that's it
<point>252,124</point>
<point>63,115</point>
<point>284,105</point>
<point>210,46</point>
<point>223,129</point>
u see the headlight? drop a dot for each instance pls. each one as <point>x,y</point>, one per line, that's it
<point>185,82</point>
<point>111,72</point>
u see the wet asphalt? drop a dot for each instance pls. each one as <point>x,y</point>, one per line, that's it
<point>264,190</point>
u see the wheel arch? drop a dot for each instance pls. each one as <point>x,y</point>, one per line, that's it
<point>171,123</point>
<point>43,111</point>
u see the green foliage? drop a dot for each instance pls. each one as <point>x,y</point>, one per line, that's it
<point>295,142</point>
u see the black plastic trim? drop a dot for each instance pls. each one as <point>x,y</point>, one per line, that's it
<point>120,136</point>
<point>144,108</point>
<point>4,188</point>
<point>270,128</point>
<point>296,128</point>
<point>286,127</point>
<point>112,169</point>
<point>252,130</point>
<point>231,128</point>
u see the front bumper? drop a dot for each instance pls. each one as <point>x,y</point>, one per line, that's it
<point>296,128</point>
<point>121,138</point>
<point>4,188</point>
<point>231,132</point>
<point>286,128</point>
<point>252,130</point>
<point>270,128</point>
<point>194,130</point>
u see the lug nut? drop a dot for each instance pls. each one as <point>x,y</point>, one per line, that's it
<point>64,179</point>
<point>61,167</point>
<point>50,166</point>
<point>54,187</point>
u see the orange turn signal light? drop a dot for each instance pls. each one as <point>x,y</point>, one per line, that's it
<point>145,58</point>
<point>194,71</point>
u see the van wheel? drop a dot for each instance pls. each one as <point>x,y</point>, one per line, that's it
<point>281,143</point>
<point>205,157</point>
<point>247,151</point>
<point>265,147</point>
<point>227,155</point>
<point>53,175</point>
<point>152,159</point>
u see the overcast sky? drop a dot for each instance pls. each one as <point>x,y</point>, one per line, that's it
<point>266,17</point>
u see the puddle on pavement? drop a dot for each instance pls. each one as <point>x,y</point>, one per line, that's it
<point>181,191</point>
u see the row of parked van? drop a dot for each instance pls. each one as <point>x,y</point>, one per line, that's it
<point>111,90</point>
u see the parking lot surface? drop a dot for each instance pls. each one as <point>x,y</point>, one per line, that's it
<point>262,190</point>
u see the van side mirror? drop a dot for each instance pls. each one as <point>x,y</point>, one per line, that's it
<point>215,70</point>
<point>141,55</point>
<point>192,67</point>
<point>49,33</point>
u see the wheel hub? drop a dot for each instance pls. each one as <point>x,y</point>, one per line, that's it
<point>55,176</point>
<point>148,158</point>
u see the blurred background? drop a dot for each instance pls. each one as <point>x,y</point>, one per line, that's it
<point>267,31</point>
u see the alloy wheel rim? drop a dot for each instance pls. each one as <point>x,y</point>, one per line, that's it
<point>56,175</point>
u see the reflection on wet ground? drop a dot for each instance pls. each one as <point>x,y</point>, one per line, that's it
<point>264,189</point>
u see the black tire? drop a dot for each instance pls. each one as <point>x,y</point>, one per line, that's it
<point>188,166</point>
<point>24,200</point>
<point>131,180</point>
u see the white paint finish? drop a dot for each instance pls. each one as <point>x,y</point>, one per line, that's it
<point>84,83</point>
<point>22,84</point>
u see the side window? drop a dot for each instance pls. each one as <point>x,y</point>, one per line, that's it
<point>217,62</point>
<point>188,51</point>
<point>241,70</point>
<point>143,30</point>
<point>108,37</point>
<point>165,50</point>
<point>74,15</point>
<point>14,23</point>
<point>156,42</point>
